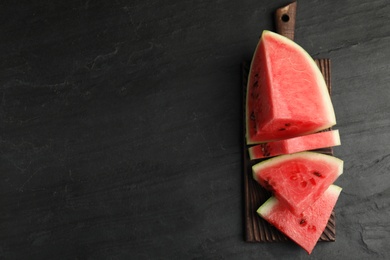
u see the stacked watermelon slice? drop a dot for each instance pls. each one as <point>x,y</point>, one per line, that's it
<point>288,114</point>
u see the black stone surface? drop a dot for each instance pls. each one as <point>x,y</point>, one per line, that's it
<point>120,127</point>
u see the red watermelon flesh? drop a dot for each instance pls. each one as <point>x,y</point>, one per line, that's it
<point>286,93</point>
<point>298,179</point>
<point>296,144</point>
<point>306,228</point>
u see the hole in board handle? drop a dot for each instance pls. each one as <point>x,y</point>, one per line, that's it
<point>285,18</point>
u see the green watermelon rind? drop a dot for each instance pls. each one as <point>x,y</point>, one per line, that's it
<point>320,80</point>
<point>266,207</point>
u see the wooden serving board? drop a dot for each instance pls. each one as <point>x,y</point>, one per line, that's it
<point>256,228</point>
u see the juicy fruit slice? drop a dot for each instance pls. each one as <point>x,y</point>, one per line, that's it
<point>298,179</point>
<point>294,145</point>
<point>286,93</point>
<point>306,228</point>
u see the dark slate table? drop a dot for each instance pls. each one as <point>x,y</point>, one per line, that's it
<point>120,127</point>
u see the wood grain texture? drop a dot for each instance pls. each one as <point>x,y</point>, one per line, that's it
<point>256,228</point>
<point>285,20</point>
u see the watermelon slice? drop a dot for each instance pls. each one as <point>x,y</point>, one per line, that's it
<point>304,229</point>
<point>298,179</point>
<point>286,92</point>
<point>294,145</point>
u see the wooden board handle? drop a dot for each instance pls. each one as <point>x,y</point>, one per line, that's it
<point>285,20</point>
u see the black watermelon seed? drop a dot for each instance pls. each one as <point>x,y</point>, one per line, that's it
<point>303,222</point>
<point>252,116</point>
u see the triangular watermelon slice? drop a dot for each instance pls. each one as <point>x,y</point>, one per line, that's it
<point>306,228</point>
<point>298,179</point>
<point>296,144</point>
<point>286,93</point>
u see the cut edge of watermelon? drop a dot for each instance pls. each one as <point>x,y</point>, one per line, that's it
<point>332,135</point>
<point>248,138</point>
<point>265,209</point>
<point>277,159</point>
<point>312,156</point>
<point>326,99</point>
<point>289,145</point>
<point>320,78</point>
